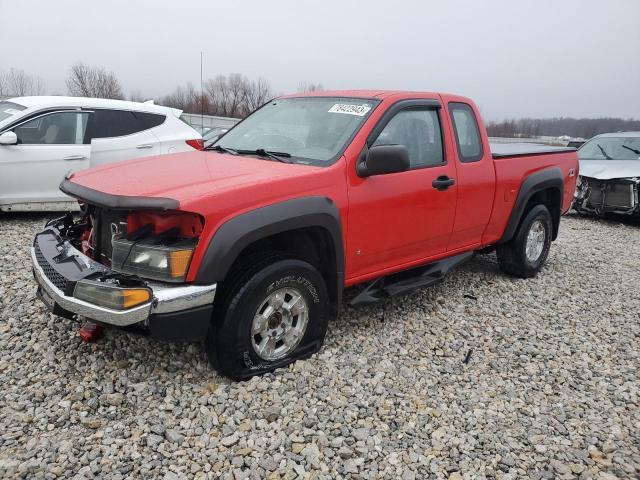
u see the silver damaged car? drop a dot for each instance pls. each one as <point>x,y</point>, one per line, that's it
<point>609,175</point>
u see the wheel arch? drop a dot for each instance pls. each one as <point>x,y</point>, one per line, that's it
<point>542,187</point>
<point>308,227</point>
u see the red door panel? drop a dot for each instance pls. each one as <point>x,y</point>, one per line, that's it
<point>398,218</point>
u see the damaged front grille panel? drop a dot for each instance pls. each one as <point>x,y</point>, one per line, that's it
<point>61,263</point>
<point>54,277</point>
<point>607,196</point>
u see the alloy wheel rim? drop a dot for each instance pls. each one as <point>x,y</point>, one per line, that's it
<point>279,324</point>
<point>535,241</point>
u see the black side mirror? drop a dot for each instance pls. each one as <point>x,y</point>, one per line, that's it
<point>382,159</point>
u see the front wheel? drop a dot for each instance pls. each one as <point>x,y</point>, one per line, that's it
<point>275,312</point>
<point>525,254</point>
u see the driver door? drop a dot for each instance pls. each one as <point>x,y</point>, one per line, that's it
<point>49,146</point>
<point>403,218</point>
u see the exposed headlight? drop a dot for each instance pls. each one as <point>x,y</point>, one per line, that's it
<point>168,263</point>
<point>111,296</point>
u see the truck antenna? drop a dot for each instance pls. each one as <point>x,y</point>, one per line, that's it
<point>201,95</point>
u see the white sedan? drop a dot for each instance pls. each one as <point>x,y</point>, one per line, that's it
<point>44,138</point>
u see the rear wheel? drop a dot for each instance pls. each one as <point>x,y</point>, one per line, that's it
<point>525,254</point>
<point>276,311</point>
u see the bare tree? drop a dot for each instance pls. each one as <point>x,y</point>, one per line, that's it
<point>214,95</point>
<point>218,92</point>
<point>17,83</point>
<point>238,86</point>
<point>228,96</point>
<point>183,98</point>
<point>304,87</point>
<point>89,81</point>
<point>258,93</point>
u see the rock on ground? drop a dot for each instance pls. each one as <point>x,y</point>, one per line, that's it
<point>550,390</point>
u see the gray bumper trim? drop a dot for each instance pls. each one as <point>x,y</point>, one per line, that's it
<point>166,299</point>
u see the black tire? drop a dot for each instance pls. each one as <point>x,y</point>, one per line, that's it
<point>228,343</point>
<point>512,256</point>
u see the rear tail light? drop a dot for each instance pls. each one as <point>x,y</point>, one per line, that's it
<point>196,143</point>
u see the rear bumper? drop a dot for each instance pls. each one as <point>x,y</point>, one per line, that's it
<point>175,311</point>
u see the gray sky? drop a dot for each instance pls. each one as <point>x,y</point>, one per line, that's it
<point>538,58</point>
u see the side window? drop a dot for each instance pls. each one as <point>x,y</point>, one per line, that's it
<point>150,120</point>
<point>419,131</point>
<point>467,132</point>
<point>59,128</point>
<point>118,123</point>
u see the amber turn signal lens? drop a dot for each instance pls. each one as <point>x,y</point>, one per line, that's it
<point>132,297</point>
<point>179,262</point>
<point>110,296</point>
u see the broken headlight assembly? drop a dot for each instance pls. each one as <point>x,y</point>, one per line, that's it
<point>163,257</point>
<point>111,296</point>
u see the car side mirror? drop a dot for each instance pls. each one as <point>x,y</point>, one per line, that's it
<point>383,159</point>
<point>8,138</point>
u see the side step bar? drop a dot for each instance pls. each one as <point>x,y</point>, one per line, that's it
<point>403,282</point>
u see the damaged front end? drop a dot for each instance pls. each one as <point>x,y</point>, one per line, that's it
<point>599,197</point>
<point>123,268</point>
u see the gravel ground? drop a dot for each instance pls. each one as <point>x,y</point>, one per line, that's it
<point>550,389</point>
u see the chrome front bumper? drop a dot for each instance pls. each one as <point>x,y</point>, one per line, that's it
<point>166,299</point>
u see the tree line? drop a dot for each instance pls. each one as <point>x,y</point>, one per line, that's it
<point>18,83</point>
<point>555,127</point>
<point>235,95</point>
<point>232,95</point>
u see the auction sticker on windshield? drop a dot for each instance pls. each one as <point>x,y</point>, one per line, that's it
<point>359,110</point>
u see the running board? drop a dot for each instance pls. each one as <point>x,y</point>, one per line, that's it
<point>403,282</point>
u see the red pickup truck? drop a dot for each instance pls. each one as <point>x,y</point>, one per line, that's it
<point>250,244</point>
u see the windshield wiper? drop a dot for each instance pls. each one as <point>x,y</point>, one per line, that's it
<point>637,152</point>
<point>606,155</point>
<point>220,148</point>
<point>278,156</point>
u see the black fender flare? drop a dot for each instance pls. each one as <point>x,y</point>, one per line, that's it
<point>237,233</point>
<point>534,183</point>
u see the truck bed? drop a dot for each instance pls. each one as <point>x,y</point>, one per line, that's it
<point>502,150</point>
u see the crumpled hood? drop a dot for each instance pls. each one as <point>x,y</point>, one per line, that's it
<point>609,169</point>
<point>185,176</point>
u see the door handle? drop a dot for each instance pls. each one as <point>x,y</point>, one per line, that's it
<point>145,145</point>
<point>75,157</point>
<point>442,182</point>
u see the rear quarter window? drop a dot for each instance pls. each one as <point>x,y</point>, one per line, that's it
<point>119,123</point>
<point>151,120</point>
<point>465,126</point>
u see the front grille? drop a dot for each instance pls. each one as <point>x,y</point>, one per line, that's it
<point>54,277</point>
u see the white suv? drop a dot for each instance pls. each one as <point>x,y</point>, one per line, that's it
<point>44,138</point>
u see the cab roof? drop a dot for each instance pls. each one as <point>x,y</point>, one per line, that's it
<point>378,94</point>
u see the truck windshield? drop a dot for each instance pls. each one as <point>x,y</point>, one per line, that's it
<point>8,109</point>
<point>611,148</point>
<point>312,130</point>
